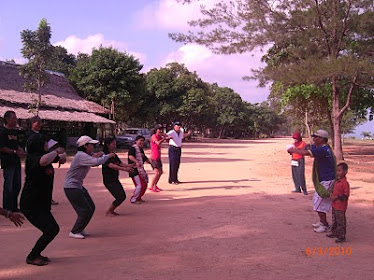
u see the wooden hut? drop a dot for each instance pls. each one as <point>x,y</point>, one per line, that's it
<point>65,114</point>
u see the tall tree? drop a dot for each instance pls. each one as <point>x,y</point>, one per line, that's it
<point>111,78</point>
<point>37,49</point>
<point>322,41</point>
<point>61,61</point>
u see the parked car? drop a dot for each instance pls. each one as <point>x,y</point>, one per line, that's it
<point>127,138</point>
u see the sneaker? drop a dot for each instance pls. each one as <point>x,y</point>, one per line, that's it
<point>84,233</point>
<point>157,188</point>
<point>316,225</point>
<point>76,235</point>
<point>340,240</point>
<point>296,191</point>
<point>321,229</point>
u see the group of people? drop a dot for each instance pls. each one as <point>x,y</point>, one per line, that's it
<point>329,180</point>
<point>36,197</point>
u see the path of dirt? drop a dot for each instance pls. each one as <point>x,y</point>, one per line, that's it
<point>233,218</point>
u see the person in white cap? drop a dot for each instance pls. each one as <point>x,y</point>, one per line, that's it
<point>176,135</point>
<point>73,185</point>
<point>324,175</point>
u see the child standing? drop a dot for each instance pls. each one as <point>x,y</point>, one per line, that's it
<point>339,199</point>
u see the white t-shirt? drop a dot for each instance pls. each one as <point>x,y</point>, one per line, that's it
<point>176,141</point>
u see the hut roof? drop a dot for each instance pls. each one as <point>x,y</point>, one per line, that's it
<point>57,115</point>
<point>57,92</point>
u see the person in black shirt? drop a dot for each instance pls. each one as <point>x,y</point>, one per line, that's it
<point>110,172</point>
<point>36,126</point>
<point>36,196</point>
<point>11,152</point>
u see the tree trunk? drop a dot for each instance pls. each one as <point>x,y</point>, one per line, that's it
<point>221,132</point>
<point>308,128</point>
<point>336,116</point>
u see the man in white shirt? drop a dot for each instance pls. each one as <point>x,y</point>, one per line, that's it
<point>175,150</point>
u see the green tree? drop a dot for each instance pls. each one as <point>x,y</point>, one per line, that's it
<point>61,61</point>
<point>318,42</point>
<point>110,78</point>
<point>37,49</point>
<point>176,93</point>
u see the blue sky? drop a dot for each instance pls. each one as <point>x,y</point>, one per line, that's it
<point>139,27</point>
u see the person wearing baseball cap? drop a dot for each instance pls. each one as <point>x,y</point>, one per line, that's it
<point>324,176</point>
<point>176,136</point>
<point>76,193</point>
<point>298,165</point>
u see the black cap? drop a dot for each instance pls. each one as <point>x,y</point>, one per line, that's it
<point>176,123</point>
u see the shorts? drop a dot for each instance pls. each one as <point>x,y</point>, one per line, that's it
<point>322,204</point>
<point>156,163</point>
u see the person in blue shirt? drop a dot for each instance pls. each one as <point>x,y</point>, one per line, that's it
<point>324,173</point>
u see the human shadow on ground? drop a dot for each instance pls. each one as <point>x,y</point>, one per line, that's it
<point>221,181</point>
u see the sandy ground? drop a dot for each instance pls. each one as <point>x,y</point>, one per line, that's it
<point>234,218</point>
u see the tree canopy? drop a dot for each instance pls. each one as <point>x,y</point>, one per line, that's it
<point>110,78</point>
<point>37,49</point>
<point>309,42</point>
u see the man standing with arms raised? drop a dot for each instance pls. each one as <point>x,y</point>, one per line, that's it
<point>175,151</point>
<point>11,152</point>
<point>324,175</point>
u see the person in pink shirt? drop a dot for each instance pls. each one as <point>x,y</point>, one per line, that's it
<point>156,139</point>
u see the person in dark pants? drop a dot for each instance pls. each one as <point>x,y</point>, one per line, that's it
<point>175,151</point>
<point>298,165</point>
<point>11,152</point>
<point>36,196</point>
<point>77,195</point>
<point>110,172</point>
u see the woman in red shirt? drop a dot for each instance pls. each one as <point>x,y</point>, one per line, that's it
<point>157,138</point>
<point>298,165</point>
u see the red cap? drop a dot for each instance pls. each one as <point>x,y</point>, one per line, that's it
<point>296,135</point>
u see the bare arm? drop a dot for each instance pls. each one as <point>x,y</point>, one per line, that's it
<point>132,158</point>
<point>300,152</point>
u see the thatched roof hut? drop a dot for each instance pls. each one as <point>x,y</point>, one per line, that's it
<point>60,102</point>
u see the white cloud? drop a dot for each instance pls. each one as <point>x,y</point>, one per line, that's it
<point>76,45</point>
<point>227,71</point>
<point>170,14</point>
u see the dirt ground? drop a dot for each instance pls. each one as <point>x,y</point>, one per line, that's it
<point>234,217</point>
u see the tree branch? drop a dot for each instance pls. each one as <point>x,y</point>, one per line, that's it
<point>322,28</point>
<point>353,83</point>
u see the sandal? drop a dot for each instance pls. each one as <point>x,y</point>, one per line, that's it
<point>39,261</point>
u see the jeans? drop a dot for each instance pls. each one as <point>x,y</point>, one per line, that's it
<point>43,220</point>
<point>83,206</point>
<point>298,176</point>
<point>174,162</point>
<point>12,187</point>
